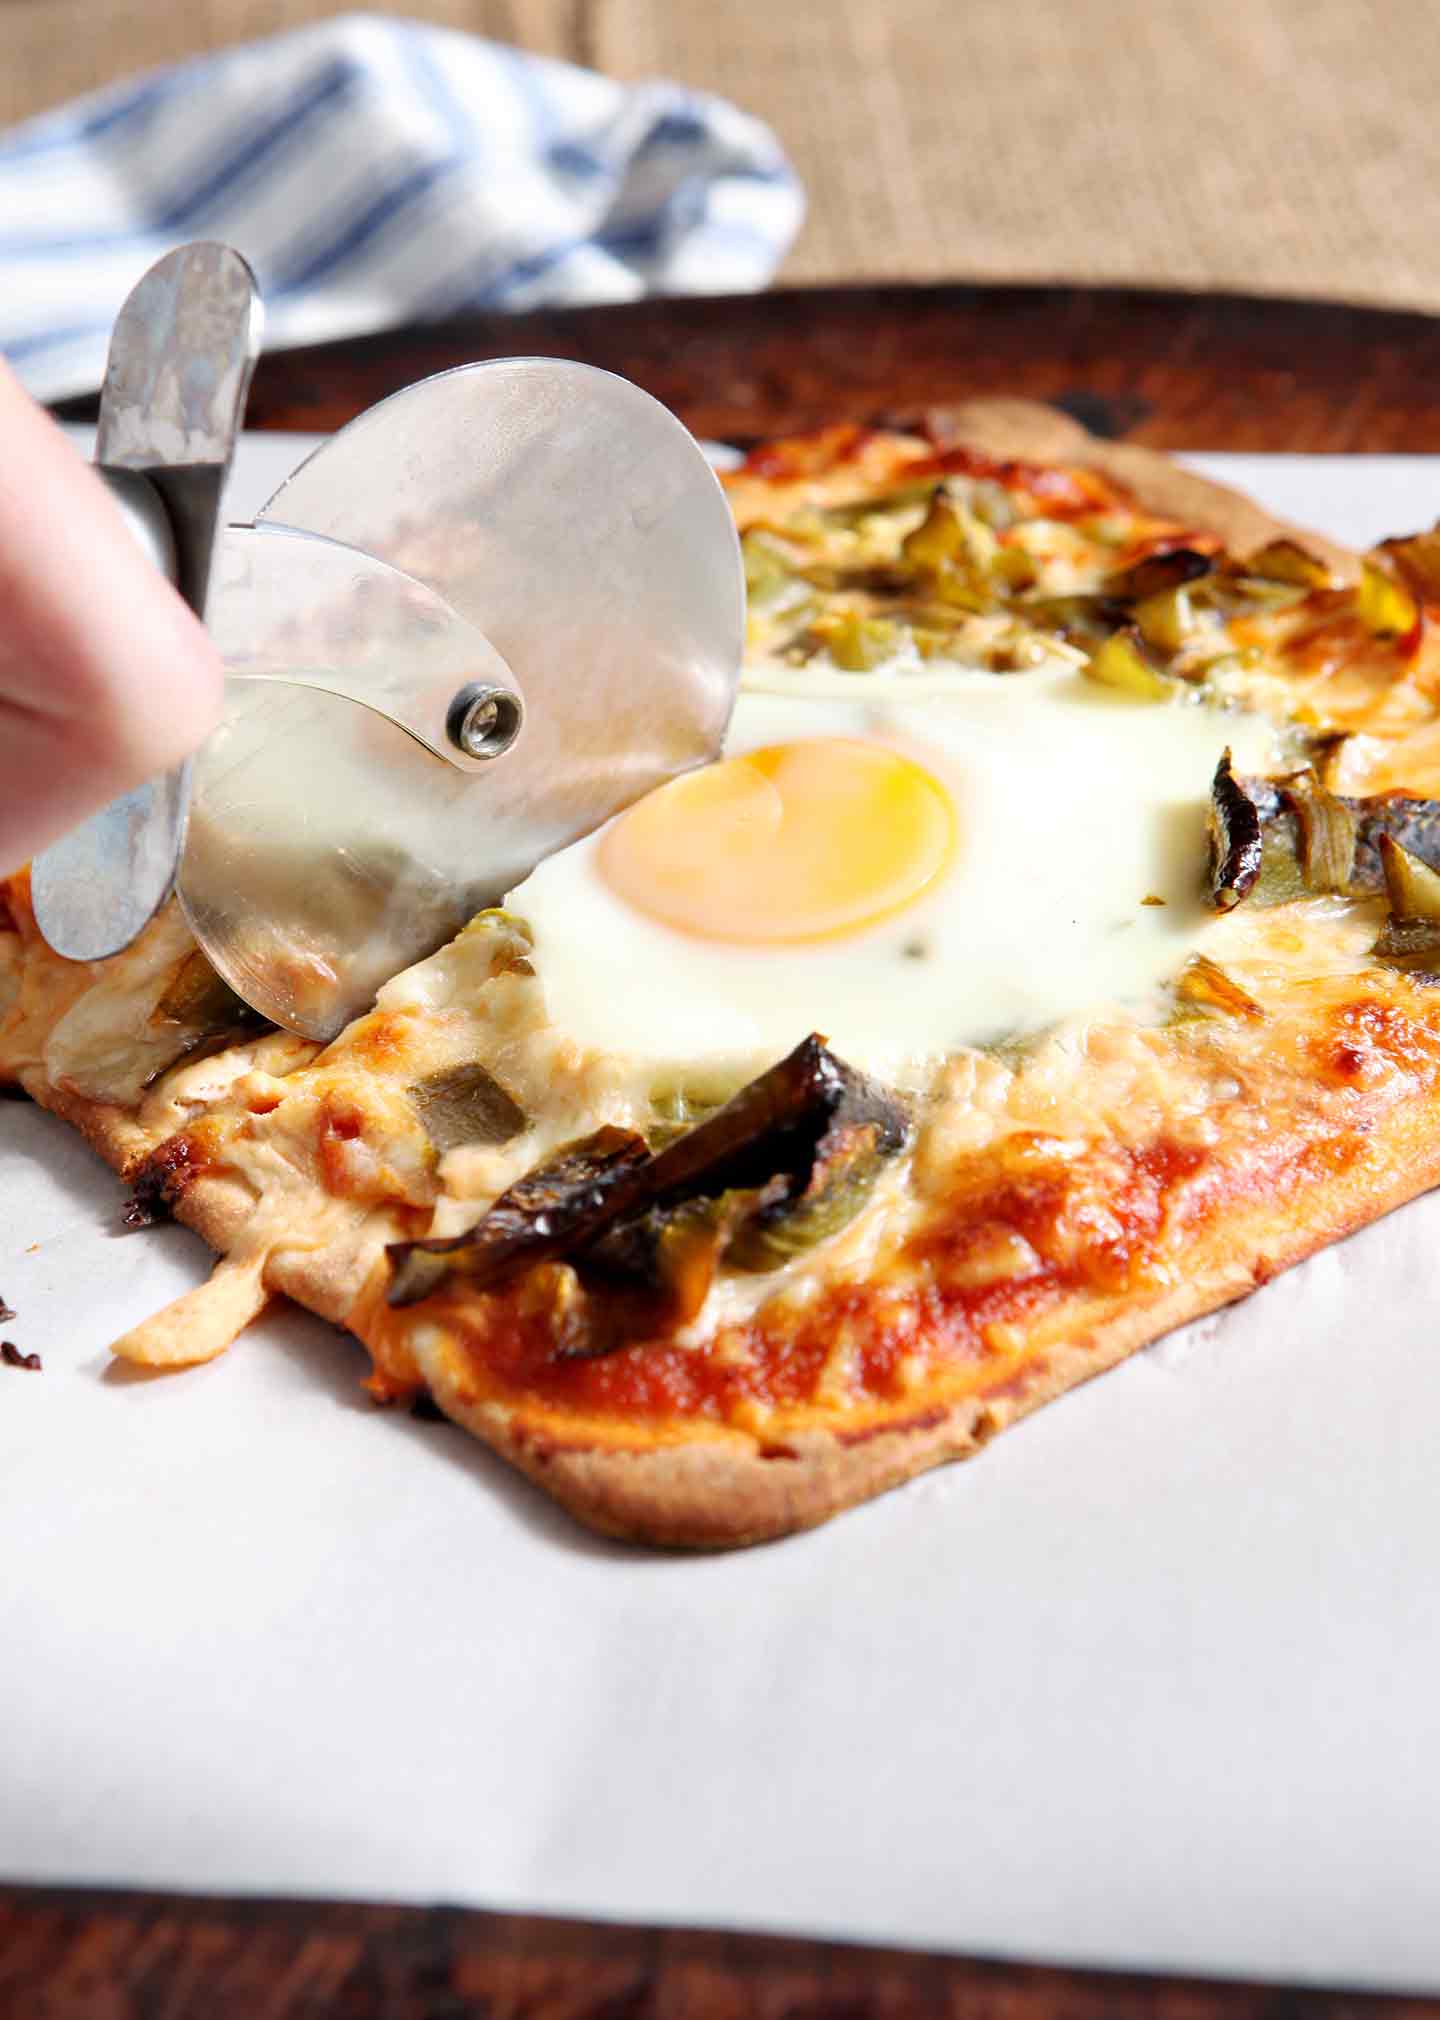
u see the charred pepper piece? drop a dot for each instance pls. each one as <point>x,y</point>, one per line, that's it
<point>549,1211</point>
<point>1158,574</point>
<point>794,1141</point>
<point>800,1152</point>
<point>1236,848</point>
<point>674,1251</point>
<point>848,1160</point>
<point>777,1122</point>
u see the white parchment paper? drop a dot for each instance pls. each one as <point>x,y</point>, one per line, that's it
<point>1155,1681</point>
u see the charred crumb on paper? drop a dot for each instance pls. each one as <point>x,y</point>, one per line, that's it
<point>6,1314</point>
<point>11,1357</point>
<point>138,1213</point>
<point>160,1180</point>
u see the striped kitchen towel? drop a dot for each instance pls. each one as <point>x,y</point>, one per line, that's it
<point>376,171</point>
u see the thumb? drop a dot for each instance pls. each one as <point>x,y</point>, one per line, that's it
<point>106,677</point>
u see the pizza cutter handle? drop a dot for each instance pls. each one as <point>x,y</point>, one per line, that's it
<point>143,510</point>
<point>181,354</point>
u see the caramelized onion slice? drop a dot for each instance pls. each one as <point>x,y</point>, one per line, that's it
<point>1204,985</point>
<point>1328,833</point>
<point>1412,887</point>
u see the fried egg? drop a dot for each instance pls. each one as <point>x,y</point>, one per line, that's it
<point>904,874</point>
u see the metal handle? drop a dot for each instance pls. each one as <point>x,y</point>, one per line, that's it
<point>184,345</point>
<point>143,510</point>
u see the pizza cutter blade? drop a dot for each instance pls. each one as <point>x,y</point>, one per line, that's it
<point>339,805</point>
<point>527,561</point>
<point>577,527</point>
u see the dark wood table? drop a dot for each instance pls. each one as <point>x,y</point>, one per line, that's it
<point>1173,370</point>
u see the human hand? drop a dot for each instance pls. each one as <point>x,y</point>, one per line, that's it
<point>106,676</point>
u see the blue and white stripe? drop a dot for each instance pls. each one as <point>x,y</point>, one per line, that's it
<point>376,171</point>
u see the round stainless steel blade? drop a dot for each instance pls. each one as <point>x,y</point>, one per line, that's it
<point>577,524</point>
<point>181,355</point>
<point>98,888</point>
<point>336,833</point>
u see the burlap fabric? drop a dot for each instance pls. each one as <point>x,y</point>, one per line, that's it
<point>1274,146</point>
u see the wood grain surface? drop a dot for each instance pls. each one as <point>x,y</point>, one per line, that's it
<point>100,1956</point>
<point>1174,370</point>
<point>1169,369</point>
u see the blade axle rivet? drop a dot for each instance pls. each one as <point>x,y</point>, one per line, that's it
<point>484,720</point>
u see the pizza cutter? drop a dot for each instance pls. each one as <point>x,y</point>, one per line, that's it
<point>487,615</point>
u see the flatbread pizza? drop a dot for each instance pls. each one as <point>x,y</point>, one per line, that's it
<point>1049,961</point>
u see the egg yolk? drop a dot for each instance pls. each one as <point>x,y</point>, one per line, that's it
<point>798,841</point>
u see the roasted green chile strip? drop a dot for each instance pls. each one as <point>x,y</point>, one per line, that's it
<point>466,1104</point>
<point>196,995</point>
<point>798,1137</point>
<point>552,1209</point>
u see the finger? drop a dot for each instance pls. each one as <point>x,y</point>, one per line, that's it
<point>106,677</point>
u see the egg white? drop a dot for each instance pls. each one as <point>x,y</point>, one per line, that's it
<point>1074,805</point>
